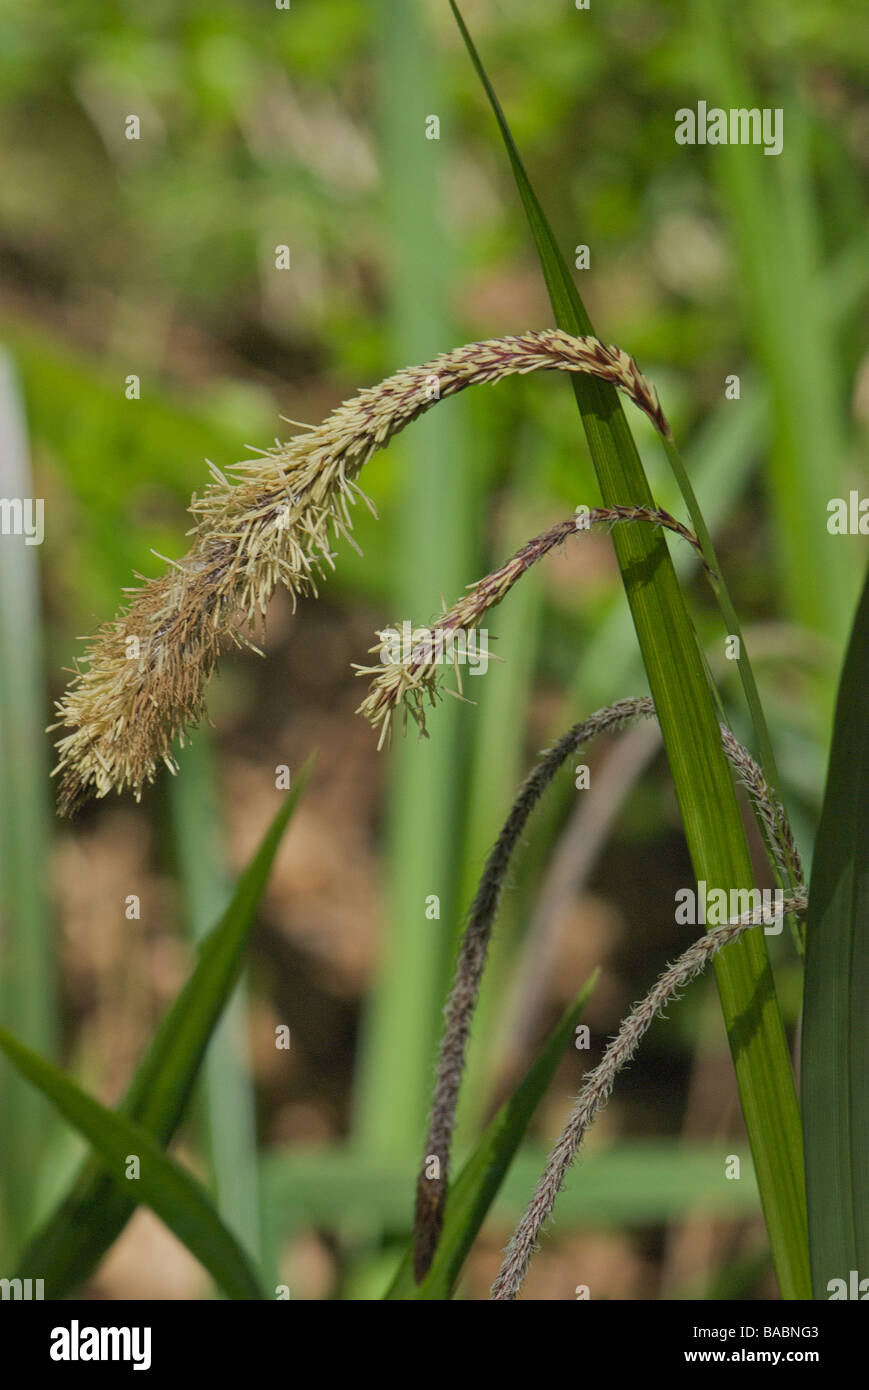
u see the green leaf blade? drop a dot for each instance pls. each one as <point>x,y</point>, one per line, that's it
<point>161,1184</point>
<point>835,1064</point>
<point>94,1212</point>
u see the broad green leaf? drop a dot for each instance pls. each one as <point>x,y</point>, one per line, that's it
<point>174,1195</point>
<point>94,1212</point>
<point>835,1049</point>
<point>471,1195</point>
<point>689,725</point>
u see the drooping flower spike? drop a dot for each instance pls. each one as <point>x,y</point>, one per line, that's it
<point>141,683</point>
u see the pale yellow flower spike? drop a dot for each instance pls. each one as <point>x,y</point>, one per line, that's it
<point>142,681</point>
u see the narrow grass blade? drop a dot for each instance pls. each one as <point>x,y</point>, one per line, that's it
<point>160,1184</point>
<point>789,323</point>
<point>471,1195</point>
<point>433,555</point>
<point>835,1050</point>
<point>27,988</point>
<point>94,1213</point>
<point>710,814</point>
<point>230,1119</point>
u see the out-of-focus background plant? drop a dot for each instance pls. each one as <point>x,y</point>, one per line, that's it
<point>156,257</point>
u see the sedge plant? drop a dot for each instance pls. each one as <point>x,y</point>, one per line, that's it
<point>274,521</point>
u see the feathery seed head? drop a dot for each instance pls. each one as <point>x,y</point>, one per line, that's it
<point>273,522</point>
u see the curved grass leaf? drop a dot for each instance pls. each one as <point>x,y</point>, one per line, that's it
<point>228,1124</point>
<point>174,1195</point>
<point>689,725</point>
<point>94,1212</point>
<point>835,1053</point>
<point>471,1195</point>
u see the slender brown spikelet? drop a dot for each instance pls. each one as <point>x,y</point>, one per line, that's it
<point>598,1084</point>
<point>431,1192</point>
<point>273,523</point>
